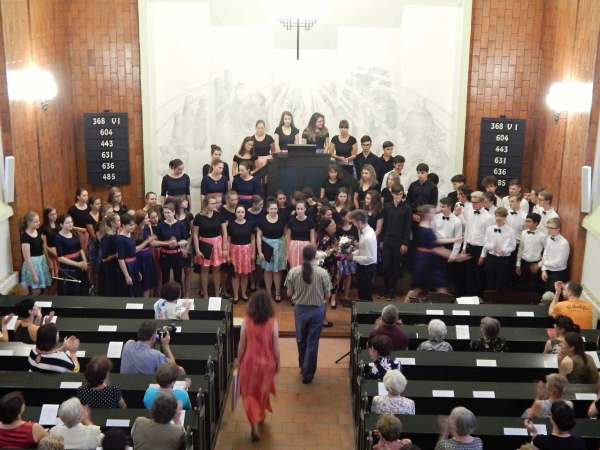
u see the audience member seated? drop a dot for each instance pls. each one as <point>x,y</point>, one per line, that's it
<point>563,420</point>
<point>387,327</point>
<point>389,429</point>
<point>115,439</point>
<point>460,424</point>
<point>139,357</point>
<point>490,342</point>
<point>99,394</point>
<point>166,376</point>
<point>167,307</point>
<point>437,332</point>
<point>77,429</point>
<point>51,443</point>
<point>571,306</point>
<point>14,432</point>
<point>380,347</point>
<point>579,368</point>
<point>46,358</point>
<point>393,402</point>
<point>157,432</point>
<point>4,331</point>
<point>594,408</point>
<point>30,320</point>
<point>562,325</point>
<point>553,391</point>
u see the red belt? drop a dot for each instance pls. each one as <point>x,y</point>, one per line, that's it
<point>170,252</point>
<point>245,197</point>
<point>72,255</point>
<point>130,259</point>
<point>145,249</point>
<point>427,250</point>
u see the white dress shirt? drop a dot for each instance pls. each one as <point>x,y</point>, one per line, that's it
<point>556,253</point>
<point>524,204</point>
<point>466,206</point>
<point>492,210</point>
<point>516,220</point>
<point>405,179</point>
<point>499,241</point>
<point>546,216</point>
<point>367,247</point>
<point>447,228</point>
<point>531,246</point>
<point>537,209</point>
<point>477,225</point>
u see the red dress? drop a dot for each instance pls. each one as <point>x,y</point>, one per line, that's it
<point>20,437</point>
<point>257,369</point>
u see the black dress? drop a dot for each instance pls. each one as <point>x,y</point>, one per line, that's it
<point>330,189</point>
<point>286,139</point>
<point>171,187</point>
<point>126,252</point>
<point>107,271</point>
<point>206,170</point>
<point>330,263</point>
<point>70,248</point>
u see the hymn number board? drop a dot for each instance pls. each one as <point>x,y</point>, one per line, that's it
<point>501,149</point>
<point>107,148</point>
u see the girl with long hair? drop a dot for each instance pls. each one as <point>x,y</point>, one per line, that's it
<point>79,214</point>
<point>73,264</point>
<point>270,237</point>
<point>215,182</point>
<point>367,182</point>
<point>175,182</point>
<point>92,252</point>
<point>373,208</point>
<point>151,202</point>
<point>34,270</point>
<point>342,200</point>
<point>129,278</point>
<point>182,214</point>
<point>316,133</point>
<point>286,133</point>
<point>245,153</point>
<point>579,368</point>
<point>172,239</point>
<point>344,148</point>
<point>49,230</point>
<point>245,184</point>
<point>393,179</point>
<point>215,155</point>
<point>227,210</point>
<point>115,198</point>
<point>109,266</point>
<point>327,241</point>
<point>154,217</point>
<point>332,183</point>
<point>255,214</point>
<point>264,145</point>
<point>300,232</point>
<point>346,268</point>
<point>145,260</point>
<point>242,248</point>
<point>210,229</point>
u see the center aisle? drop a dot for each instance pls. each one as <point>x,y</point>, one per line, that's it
<point>305,417</point>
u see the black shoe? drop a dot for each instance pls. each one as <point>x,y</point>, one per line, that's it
<point>278,299</point>
<point>306,380</point>
<point>382,294</point>
<point>328,325</point>
<point>235,302</point>
<point>391,296</point>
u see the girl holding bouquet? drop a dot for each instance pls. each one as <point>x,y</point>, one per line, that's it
<point>347,235</point>
<point>327,244</point>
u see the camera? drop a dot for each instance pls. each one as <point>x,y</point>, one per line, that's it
<point>171,329</point>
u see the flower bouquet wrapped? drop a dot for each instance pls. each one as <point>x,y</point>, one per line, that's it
<point>346,245</point>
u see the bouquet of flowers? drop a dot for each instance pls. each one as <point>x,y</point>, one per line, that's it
<point>322,256</point>
<point>346,245</point>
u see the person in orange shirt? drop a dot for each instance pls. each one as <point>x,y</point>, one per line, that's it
<point>572,306</point>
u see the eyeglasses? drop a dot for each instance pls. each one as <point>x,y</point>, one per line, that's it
<point>553,228</point>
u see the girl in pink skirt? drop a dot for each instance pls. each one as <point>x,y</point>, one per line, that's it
<point>300,232</point>
<point>242,247</point>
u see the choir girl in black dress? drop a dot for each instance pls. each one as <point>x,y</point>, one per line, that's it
<point>284,209</point>
<point>255,214</point>
<point>215,155</point>
<point>34,271</point>
<point>92,252</point>
<point>300,232</point>
<point>346,268</point>
<point>242,248</point>
<point>143,240</point>
<point>175,182</point>
<point>264,145</point>
<point>154,217</point>
<point>245,153</point>
<point>128,277</point>
<point>115,198</point>
<point>152,202</point>
<point>386,193</point>
<point>227,210</point>
<point>79,213</point>
<point>327,241</point>
<point>271,233</point>
<point>342,200</point>
<point>325,212</point>
<point>49,230</point>
<point>374,210</point>
<point>172,236</point>
<point>210,227</point>
<point>316,133</point>
<point>182,214</point>
<point>109,266</point>
<point>286,133</point>
<point>312,208</point>
<point>245,184</point>
<point>367,182</point>
<point>73,265</point>
<point>344,148</point>
<point>332,183</point>
<point>215,182</point>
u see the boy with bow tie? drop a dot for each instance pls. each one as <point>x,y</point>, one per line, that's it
<point>530,252</point>
<point>556,255</point>
<point>498,245</point>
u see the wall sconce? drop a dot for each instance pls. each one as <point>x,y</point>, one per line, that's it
<point>565,97</point>
<point>32,85</point>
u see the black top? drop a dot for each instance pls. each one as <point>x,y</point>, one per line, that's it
<point>273,230</point>
<point>374,218</point>
<point>125,246</point>
<point>386,195</point>
<point>343,149</point>
<point>36,244</point>
<point>229,216</point>
<point>396,224</point>
<point>237,159</point>
<point>67,246</point>
<point>209,227</point>
<point>246,188</point>
<point>422,194</point>
<point>361,160</point>
<point>285,212</point>
<point>332,188</point>
<point>79,216</point>
<point>108,245</point>
<point>123,210</point>
<point>300,228</point>
<point>164,231</point>
<point>240,233</point>
<point>50,233</point>
<point>351,233</point>
<point>362,194</point>
<point>551,442</point>
<point>89,220</point>
<point>263,148</point>
<point>384,167</point>
<point>107,397</point>
<point>312,212</point>
<point>206,168</point>
<point>210,186</point>
<point>319,140</point>
<point>187,221</point>
<point>170,187</point>
<point>284,139</point>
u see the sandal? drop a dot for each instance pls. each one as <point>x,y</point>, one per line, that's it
<point>245,299</point>
<point>334,306</point>
<point>278,299</point>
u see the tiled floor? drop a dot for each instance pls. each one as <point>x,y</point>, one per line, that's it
<point>305,417</point>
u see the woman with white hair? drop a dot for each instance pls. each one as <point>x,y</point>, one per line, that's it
<point>437,332</point>
<point>460,424</point>
<point>77,430</point>
<point>393,402</point>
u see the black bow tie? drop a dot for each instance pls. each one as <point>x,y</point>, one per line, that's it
<point>530,232</point>
<point>487,209</point>
<point>512,213</point>
<point>476,212</point>
<point>461,204</point>
<point>552,238</point>
<point>497,230</point>
<point>446,218</point>
<point>544,212</point>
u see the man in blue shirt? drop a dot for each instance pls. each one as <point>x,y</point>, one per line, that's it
<point>139,357</point>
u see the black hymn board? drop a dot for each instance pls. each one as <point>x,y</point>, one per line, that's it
<point>501,150</point>
<point>107,148</point>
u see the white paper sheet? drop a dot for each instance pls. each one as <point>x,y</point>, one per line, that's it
<point>467,300</point>
<point>11,323</point>
<point>437,393</point>
<point>7,352</point>
<point>525,314</point>
<point>80,353</point>
<point>594,356</point>
<point>43,304</point>
<point>48,415</point>
<point>70,384</point>
<point>381,390</point>
<point>181,418</point>
<point>177,329</point>
<point>434,312</point>
<point>551,364</point>
<point>462,332</point>
<point>214,304</point>
<point>180,385</point>
<point>406,361</point>
<point>484,394</point>
<point>114,349</point>
<point>515,431</point>
<point>460,312</point>
<point>181,301</point>
<point>107,328</point>
<point>117,423</point>
<point>134,306</point>
<point>541,428</point>
<point>585,396</point>
<point>486,363</point>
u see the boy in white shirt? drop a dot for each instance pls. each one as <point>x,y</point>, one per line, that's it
<point>547,211</point>
<point>489,202</point>
<point>516,220</point>
<point>405,177</point>
<point>534,198</point>
<point>556,255</point>
<point>514,187</point>
<point>446,225</point>
<point>464,203</point>
<point>530,252</point>
<point>490,184</point>
<point>499,243</point>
